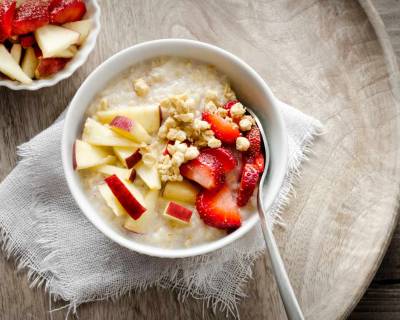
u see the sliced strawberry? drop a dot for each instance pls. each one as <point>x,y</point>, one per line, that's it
<point>256,160</point>
<point>230,104</point>
<point>38,51</point>
<point>223,129</point>
<point>248,183</point>
<point>31,15</point>
<point>7,10</point>
<point>27,41</point>
<point>62,11</point>
<point>223,155</point>
<point>49,66</point>
<point>218,208</point>
<point>206,170</point>
<point>254,137</point>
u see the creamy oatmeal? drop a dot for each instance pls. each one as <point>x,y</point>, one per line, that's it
<point>169,154</point>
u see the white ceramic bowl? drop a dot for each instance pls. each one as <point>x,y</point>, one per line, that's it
<point>93,12</point>
<point>250,88</point>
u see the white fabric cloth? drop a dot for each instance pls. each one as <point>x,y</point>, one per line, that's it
<point>44,230</point>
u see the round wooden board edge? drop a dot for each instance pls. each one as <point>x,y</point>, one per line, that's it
<point>394,77</point>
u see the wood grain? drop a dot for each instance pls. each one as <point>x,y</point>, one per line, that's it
<point>324,58</point>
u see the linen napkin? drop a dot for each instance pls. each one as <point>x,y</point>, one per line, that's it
<point>44,230</point>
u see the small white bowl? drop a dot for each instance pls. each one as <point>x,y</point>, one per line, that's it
<point>250,88</point>
<point>93,12</point>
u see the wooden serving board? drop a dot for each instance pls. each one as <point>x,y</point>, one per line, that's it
<point>323,57</point>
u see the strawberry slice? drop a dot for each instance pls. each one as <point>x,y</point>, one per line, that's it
<point>27,41</point>
<point>256,160</point>
<point>223,155</point>
<point>248,183</point>
<point>62,11</point>
<point>49,66</point>
<point>254,137</point>
<point>223,129</point>
<point>230,104</point>
<point>31,15</point>
<point>7,10</point>
<point>206,170</point>
<point>218,208</point>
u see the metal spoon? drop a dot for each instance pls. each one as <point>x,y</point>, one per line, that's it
<point>288,296</point>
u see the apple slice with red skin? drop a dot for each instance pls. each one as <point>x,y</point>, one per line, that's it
<point>177,212</point>
<point>127,200</point>
<point>128,156</point>
<point>130,129</point>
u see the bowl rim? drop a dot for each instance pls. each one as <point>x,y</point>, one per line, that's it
<point>151,250</point>
<point>76,62</point>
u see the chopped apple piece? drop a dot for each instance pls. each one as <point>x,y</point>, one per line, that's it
<point>53,39</point>
<point>148,116</point>
<point>82,27</point>
<point>128,196</point>
<point>180,191</point>
<point>16,52</point>
<point>146,222</point>
<point>128,156</point>
<point>110,170</point>
<point>130,129</point>
<point>98,134</point>
<point>177,212</point>
<point>66,53</point>
<point>30,62</point>
<point>149,175</point>
<point>10,68</point>
<point>87,156</point>
<point>111,200</point>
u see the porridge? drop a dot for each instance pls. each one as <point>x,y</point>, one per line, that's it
<point>170,155</point>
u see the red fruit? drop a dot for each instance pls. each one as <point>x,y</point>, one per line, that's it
<point>133,159</point>
<point>248,183</point>
<point>62,11</point>
<point>27,41</point>
<point>254,137</point>
<point>223,129</point>
<point>206,170</point>
<point>132,176</point>
<point>31,15</point>
<point>223,155</point>
<point>49,66</point>
<point>256,160</point>
<point>7,10</point>
<point>230,104</point>
<point>125,197</point>
<point>218,208</point>
<point>38,52</point>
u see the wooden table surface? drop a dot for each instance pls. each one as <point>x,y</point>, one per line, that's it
<point>25,114</point>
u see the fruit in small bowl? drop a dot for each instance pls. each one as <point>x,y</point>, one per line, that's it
<point>45,41</point>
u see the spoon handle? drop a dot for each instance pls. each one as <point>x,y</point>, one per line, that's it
<point>288,296</point>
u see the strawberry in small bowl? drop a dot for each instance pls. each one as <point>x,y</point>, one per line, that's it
<point>45,41</point>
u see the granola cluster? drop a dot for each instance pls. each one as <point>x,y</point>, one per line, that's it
<point>186,133</point>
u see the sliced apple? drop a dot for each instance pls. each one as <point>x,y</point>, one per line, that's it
<point>29,62</point>
<point>97,134</point>
<point>109,170</point>
<point>180,191</point>
<point>10,68</point>
<point>128,196</point>
<point>177,212</point>
<point>52,39</point>
<point>111,200</point>
<point>148,116</point>
<point>87,156</point>
<point>130,129</point>
<point>16,52</point>
<point>146,222</point>
<point>66,53</point>
<point>128,156</point>
<point>82,27</point>
<point>149,175</point>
